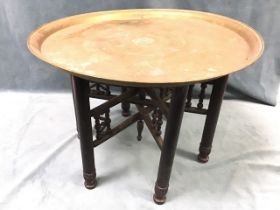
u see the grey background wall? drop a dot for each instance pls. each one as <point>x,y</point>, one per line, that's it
<point>19,70</point>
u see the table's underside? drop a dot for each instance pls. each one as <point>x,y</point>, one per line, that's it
<point>152,105</point>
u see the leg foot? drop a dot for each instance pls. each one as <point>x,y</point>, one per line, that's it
<point>80,89</point>
<point>172,130</point>
<point>202,159</point>
<point>90,181</point>
<point>160,194</point>
<point>125,113</point>
<point>214,107</point>
<point>203,155</point>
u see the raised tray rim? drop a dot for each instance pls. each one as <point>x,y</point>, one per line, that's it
<point>193,13</point>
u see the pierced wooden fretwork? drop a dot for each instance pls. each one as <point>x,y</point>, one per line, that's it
<point>140,123</point>
<point>189,96</point>
<point>102,124</point>
<point>159,122</point>
<point>100,89</point>
<point>201,95</point>
<point>156,106</point>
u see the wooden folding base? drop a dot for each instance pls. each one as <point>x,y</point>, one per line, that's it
<point>153,104</point>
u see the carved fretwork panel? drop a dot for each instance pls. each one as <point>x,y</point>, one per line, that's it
<point>100,89</point>
<point>102,124</point>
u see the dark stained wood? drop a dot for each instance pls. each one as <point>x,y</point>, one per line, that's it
<point>172,130</point>
<point>212,119</point>
<point>132,119</point>
<point>112,102</point>
<point>196,110</point>
<point>149,124</point>
<point>201,97</point>
<point>140,127</point>
<point>157,104</point>
<point>125,105</point>
<point>189,96</point>
<point>140,123</point>
<point>158,101</point>
<point>80,90</point>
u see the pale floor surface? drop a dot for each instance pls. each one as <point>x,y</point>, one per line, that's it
<point>40,164</point>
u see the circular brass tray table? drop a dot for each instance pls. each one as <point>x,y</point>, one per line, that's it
<point>156,56</point>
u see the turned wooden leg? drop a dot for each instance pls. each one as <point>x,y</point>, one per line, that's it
<point>80,90</point>
<point>140,126</point>
<point>75,106</point>
<point>140,123</point>
<point>172,130</point>
<point>125,106</point>
<point>212,118</point>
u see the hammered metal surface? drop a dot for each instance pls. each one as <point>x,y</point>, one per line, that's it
<point>147,47</point>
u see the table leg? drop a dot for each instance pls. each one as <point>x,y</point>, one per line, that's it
<point>140,123</point>
<point>75,105</point>
<point>212,118</point>
<point>80,90</point>
<point>125,106</point>
<point>172,130</point>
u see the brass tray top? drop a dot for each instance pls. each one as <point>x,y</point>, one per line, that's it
<point>147,47</point>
